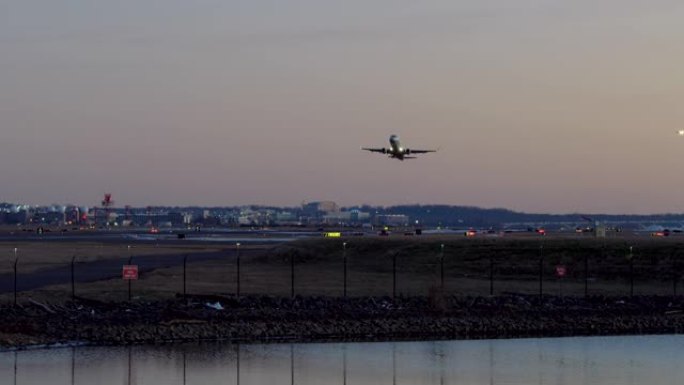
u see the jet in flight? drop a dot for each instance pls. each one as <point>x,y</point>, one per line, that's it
<point>396,151</point>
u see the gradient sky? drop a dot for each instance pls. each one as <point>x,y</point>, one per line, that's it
<point>536,105</point>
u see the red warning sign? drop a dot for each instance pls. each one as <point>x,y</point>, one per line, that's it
<point>561,271</point>
<point>130,272</point>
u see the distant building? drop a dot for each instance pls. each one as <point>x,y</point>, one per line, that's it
<point>357,216</point>
<point>600,231</point>
<point>56,218</point>
<point>391,220</point>
<point>73,215</point>
<point>16,217</point>
<point>188,218</point>
<point>317,208</point>
<point>156,219</point>
<point>336,218</point>
<point>346,217</point>
<point>328,207</point>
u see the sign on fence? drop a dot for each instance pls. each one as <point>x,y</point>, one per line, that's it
<point>561,271</point>
<point>130,272</point>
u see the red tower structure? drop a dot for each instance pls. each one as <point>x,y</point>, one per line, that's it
<point>107,204</point>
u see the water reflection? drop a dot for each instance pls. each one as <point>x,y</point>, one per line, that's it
<point>569,361</point>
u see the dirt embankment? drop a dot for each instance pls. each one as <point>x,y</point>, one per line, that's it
<point>255,319</point>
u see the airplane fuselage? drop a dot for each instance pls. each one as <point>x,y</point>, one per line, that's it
<point>396,151</point>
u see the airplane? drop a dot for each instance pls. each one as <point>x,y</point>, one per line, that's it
<point>396,151</point>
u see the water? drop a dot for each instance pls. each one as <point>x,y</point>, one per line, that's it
<point>649,360</point>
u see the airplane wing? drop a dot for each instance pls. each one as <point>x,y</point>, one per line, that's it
<point>382,150</point>
<point>421,151</point>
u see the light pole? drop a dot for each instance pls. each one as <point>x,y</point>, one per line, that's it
<point>237,250</point>
<point>344,259</point>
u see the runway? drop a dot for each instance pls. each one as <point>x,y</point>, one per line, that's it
<point>107,269</point>
<point>172,236</point>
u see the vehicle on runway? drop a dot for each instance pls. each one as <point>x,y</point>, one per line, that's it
<point>396,151</point>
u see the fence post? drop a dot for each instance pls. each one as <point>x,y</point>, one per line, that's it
<point>441,267</point>
<point>344,261</point>
<point>394,275</point>
<point>130,262</point>
<point>630,257</point>
<point>185,277</point>
<point>491,273</point>
<point>16,262</point>
<point>586,270</point>
<point>292,274</point>
<point>675,274</point>
<point>73,277</point>
<point>541,273</point>
<point>237,250</point>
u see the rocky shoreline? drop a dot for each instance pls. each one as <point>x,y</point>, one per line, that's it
<point>301,319</point>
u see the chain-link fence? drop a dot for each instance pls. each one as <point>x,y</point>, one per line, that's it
<point>467,270</point>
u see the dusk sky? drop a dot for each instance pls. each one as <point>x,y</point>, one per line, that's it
<point>538,106</point>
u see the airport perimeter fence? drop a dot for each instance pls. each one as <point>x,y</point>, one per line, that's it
<point>464,271</point>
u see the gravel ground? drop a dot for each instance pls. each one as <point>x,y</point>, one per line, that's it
<point>270,319</point>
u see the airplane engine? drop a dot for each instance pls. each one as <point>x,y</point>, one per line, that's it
<point>384,151</point>
<point>407,151</point>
